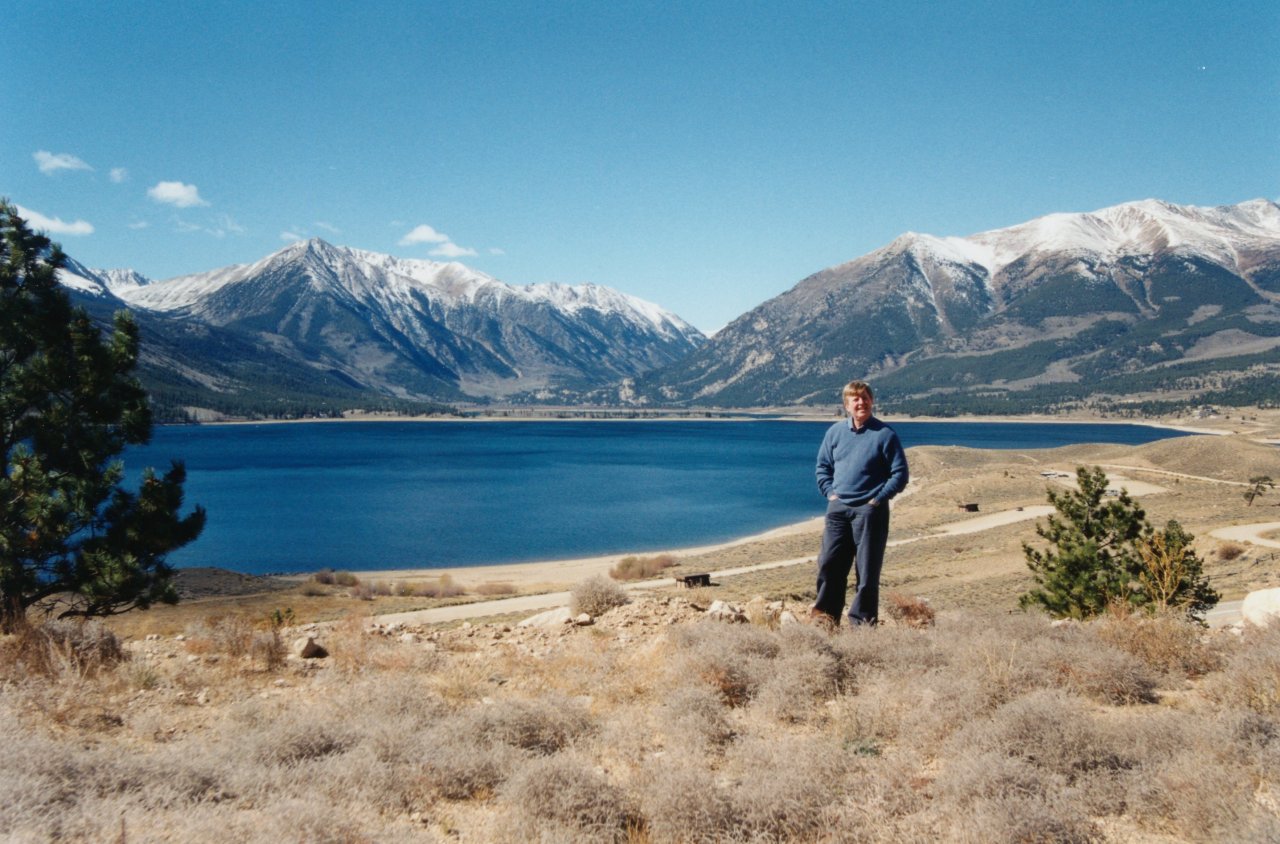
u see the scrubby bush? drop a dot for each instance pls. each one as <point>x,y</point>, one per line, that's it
<point>542,726</point>
<point>491,588</point>
<point>1169,643</point>
<point>732,660</point>
<point>1228,551</point>
<point>595,596</point>
<point>444,587</point>
<point>641,568</point>
<point>57,646</point>
<point>909,610</point>
<point>694,719</point>
<point>229,635</point>
<point>1250,679</point>
<point>684,804</point>
<point>565,798</point>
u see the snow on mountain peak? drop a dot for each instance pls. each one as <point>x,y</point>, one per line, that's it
<point>399,282</point>
<point>1146,226</point>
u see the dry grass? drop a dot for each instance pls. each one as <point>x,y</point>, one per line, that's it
<point>983,727</point>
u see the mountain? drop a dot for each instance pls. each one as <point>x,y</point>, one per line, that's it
<point>392,327</point>
<point>1141,297</point>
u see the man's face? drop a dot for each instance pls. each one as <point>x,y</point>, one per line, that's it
<point>859,407</point>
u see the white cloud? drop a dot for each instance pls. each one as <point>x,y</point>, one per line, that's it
<point>176,193</point>
<point>222,226</point>
<point>292,237</point>
<point>496,251</point>
<point>141,224</point>
<point>331,229</point>
<point>50,162</point>
<point>53,225</point>
<point>119,174</point>
<point>423,234</point>
<point>449,249</point>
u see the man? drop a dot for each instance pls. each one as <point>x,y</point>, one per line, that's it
<point>861,466</point>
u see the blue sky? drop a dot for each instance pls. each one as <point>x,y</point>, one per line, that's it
<point>704,156</point>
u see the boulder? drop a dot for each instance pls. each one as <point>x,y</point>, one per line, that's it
<point>1261,607</point>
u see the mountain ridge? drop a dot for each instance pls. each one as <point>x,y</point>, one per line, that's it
<point>409,329</point>
<point>910,313</point>
<point>1146,298</point>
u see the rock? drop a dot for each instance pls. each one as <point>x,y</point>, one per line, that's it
<point>313,650</point>
<point>724,611</point>
<point>584,620</point>
<point>550,618</point>
<point>408,638</point>
<point>1261,607</point>
<point>787,617</point>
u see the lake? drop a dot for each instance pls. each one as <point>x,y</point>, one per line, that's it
<point>298,497</point>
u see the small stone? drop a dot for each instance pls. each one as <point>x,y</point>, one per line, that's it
<point>584,620</point>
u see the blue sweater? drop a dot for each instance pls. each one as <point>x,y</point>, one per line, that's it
<point>857,466</point>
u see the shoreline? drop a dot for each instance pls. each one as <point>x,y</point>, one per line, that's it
<point>761,416</point>
<point>557,572</point>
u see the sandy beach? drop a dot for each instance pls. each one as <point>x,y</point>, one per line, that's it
<point>552,574</point>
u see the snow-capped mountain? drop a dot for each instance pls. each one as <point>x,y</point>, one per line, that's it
<point>421,329</point>
<point>98,284</point>
<point>1068,299</point>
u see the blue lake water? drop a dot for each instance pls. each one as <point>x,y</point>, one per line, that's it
<point>361,496</point>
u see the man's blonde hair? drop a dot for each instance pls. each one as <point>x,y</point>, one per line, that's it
<point>856,388</point>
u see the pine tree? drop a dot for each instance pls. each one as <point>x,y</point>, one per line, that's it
<point>1173,576</point>
<point>1258,485</point>
<point>73,540</point>
<point>1093,558</point>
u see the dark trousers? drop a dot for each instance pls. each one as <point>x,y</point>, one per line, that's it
<point>853,535</point>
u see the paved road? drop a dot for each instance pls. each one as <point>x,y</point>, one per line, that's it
<point>1249,533</point>
<point>1227,612</point>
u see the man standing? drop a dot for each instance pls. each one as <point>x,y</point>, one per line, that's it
<point>861,466</point>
